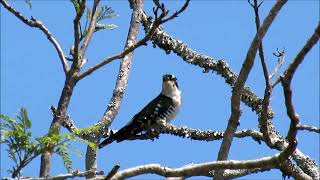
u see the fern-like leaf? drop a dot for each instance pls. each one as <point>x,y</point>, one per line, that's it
<point>62,150</point>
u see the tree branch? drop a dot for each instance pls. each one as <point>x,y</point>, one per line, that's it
<point>237,90</point>
<point>306,164</point>
<point>201,169</point>
<point>308,128</point>
<point>280,55</point>
<point>196,134</point>
<point>66,176</point>
<point>38,24</point>
<point>263,118</point>
<point>286,79</point>
<point>131,47</point>
<point>91,29</point>
<point>76,28</point>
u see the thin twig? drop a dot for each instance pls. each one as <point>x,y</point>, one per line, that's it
<point>280,55</point>
<point>308,128</point>
<point>263,119</point>
<point>175,14</point>
<point>38,24</point>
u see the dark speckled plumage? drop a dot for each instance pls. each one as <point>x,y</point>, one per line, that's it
<point>157,113</point>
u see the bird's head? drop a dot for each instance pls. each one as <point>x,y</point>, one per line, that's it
<point>170,85</point>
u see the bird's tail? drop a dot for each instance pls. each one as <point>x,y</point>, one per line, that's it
<point>106,142</point>
<point>118,136</point>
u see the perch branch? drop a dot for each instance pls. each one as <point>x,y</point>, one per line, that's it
<point>196,134</point>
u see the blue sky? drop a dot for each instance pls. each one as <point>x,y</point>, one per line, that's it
<point>32,77</point>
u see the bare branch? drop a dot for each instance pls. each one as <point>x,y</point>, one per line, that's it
<point>308,128</point>
<point>232,174</point>
<point>237,91</point>
<point>74,174</point>
<point>303,52</point>
<point>201,169</point>
<point>38,24</point>
<point>307,164</point>
<point>196,134</point>
<point>286,84</point>
<point>263,118</point>
<point>175,14</point>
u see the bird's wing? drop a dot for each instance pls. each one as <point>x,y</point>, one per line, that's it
<point>149,114</point>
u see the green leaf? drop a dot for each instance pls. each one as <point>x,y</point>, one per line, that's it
<point>100,26</point>
<point>24,118</point>
<point>91,144</point>
<point>106,12</point>
<point>8,119</point>
<point>77,151</point>
<point>62,150</point>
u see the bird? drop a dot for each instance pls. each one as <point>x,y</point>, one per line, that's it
<point>160,111</point>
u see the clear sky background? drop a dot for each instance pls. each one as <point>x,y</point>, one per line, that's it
<point>32,77</point>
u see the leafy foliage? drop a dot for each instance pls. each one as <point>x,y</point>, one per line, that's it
<point>106,12</point>
<point>63,151</point>
<point>23,148</point>
<point>103,12</point>
<point>17,135</point>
